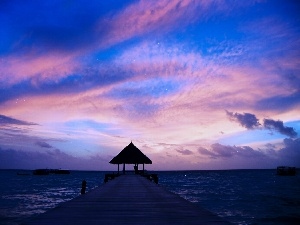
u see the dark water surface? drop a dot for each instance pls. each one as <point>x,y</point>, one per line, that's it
<point>239,196</point>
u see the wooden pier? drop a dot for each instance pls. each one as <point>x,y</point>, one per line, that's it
<point>127,199</point>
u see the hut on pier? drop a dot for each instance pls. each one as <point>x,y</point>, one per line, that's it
<point>131,155</point>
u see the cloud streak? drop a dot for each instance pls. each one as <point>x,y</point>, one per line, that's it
<point>225,151</point>
<point>16,159</point>
<point>5,120</point>
<point>288,154</point>
<point>185,152</point>
<point>43,144</point>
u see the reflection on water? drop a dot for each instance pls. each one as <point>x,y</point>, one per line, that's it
<point>24,196</point>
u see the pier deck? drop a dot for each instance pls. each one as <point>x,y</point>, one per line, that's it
<point>128,199</point>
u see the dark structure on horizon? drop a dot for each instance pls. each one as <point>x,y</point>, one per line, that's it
<point>131,155</point>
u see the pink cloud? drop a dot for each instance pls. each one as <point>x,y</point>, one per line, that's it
<point>37,68</point>
<point>148,16</point>
<point>210,88</point>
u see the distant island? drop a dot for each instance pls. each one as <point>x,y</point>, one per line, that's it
<point>50,171</point>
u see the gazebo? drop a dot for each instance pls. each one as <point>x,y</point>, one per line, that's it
<point>131,155</point>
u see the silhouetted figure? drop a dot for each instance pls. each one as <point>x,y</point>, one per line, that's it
<point>136,171</point>
<point>83,187</point>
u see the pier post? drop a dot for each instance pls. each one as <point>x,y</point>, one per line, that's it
<point>83,187</point>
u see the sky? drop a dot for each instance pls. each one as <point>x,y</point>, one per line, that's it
<point>195,85</point>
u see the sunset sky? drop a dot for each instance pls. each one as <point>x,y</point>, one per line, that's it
<point>193,84</point>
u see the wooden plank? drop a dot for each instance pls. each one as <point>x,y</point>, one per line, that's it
<point>128,199</point>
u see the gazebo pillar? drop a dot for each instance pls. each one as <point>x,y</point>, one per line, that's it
<point>123,168</point>
<point>143,167</point>
<point>136,168</point>
<point>118,168</point>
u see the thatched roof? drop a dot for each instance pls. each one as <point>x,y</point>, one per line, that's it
<point>131,155</point>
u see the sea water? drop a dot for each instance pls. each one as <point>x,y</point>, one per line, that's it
<point>26,195</point>
<point>239,196</point>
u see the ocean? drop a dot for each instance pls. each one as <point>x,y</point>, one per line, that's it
<point>239,196</point>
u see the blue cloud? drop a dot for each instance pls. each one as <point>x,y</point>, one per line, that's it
<point>247,120</point>
<point>226,151</point>
<point>138,109</point>
<point>5,120</point>
<point>185,152</point>
<point>73,83</point>
<point>43,144</point>
<point>87,124</point>
<point>148,88</point>
<point>52,158</point>
<point>279,102</point>
<point>52,24</point>
<point>278,126</point>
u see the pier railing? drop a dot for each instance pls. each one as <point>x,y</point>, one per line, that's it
<point>110,176</point>
<point>152,177</point>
